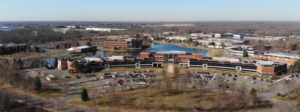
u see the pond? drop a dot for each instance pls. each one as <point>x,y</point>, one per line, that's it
<point>157,47</point>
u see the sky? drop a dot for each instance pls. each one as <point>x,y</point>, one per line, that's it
<point>149,10</point>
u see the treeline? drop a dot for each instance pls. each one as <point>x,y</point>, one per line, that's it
<point>10,74</point>
<point>34,35</point>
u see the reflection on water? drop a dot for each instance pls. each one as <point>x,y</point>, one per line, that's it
<point>157,47</point>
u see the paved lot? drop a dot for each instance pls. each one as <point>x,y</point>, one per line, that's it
<point>104,85</point>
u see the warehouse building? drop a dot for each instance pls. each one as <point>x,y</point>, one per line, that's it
<point>11,48</point>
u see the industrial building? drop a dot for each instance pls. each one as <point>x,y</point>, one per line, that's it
<point>11,48</point>
<point>183,59</point>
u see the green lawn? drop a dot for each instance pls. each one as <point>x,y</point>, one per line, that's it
<point>50,94</point>
<point>270,86</point>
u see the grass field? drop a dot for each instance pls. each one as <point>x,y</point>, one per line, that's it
<point>158,98</point>
<point>50,94</point>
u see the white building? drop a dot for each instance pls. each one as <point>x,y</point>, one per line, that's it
<point>217,35</point>
<point>104,29</point>
<point>204,35</point>
<point>237,37</point>
<point>177,38</point>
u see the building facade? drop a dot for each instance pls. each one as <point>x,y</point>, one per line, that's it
<point>183,59</point>
<point>278,57</point>
<point>127,43</point>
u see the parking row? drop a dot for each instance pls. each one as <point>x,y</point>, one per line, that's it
<point>127,75</point>
<point>82,80</point>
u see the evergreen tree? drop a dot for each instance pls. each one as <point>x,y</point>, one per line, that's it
<point>212,43</point>
<point>37,84</point>
<point>84,95</point>
<point>75,65</point>
<point>295,67</point>
<point>245,53</point>
<point>222,45</point>
<point>46,65</point>
<point>253,93</point>
<point>20,63</point>
<point>6,103</point>
<point>56,62</point>
<point>88,43</point>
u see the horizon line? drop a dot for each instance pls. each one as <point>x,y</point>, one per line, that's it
<point>153,21</point>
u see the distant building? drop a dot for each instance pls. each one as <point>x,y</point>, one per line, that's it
<point>170,33</point>
<point>217,35</point>
<point>11,48</point>
<point>177,38</point>
<point>201,35</point>
<point>104,29</point>
<point>267,38</point>
<point>238,51</point>
<point>125,43</point>
<point>278,57</point>
<point>219,41</point>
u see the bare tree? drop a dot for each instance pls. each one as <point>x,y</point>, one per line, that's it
<point>114,108</point>
<point>59,105</point>
<point>143,100</point>
<point>219,83</point>
<point>176,76</point>
<point>94,94</point>
<point>173,103</point>
<point>189,103</point>
<point>157,102</point>
<point>126,100</point>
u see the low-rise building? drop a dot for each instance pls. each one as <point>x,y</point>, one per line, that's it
<point>160,59</point>
<point>267,38</point>
<point>178,38</point>
<point>11,48</point>
<point>202,35</point>
<point>125,43</point>
<point>278,57</point>
<point>239,51</point>
<point>218,41</point>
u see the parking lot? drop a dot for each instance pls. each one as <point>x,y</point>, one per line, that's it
<point>135,79</point>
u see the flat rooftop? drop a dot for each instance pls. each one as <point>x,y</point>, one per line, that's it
<point>282,55</point>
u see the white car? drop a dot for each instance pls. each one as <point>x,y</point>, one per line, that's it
<point>246,77</point>
<point>142,83</point>
<point>253,82</point>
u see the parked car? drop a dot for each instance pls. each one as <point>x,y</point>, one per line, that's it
<point>278,94</point>
<point>67,76</point>
<point>253,82</point>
